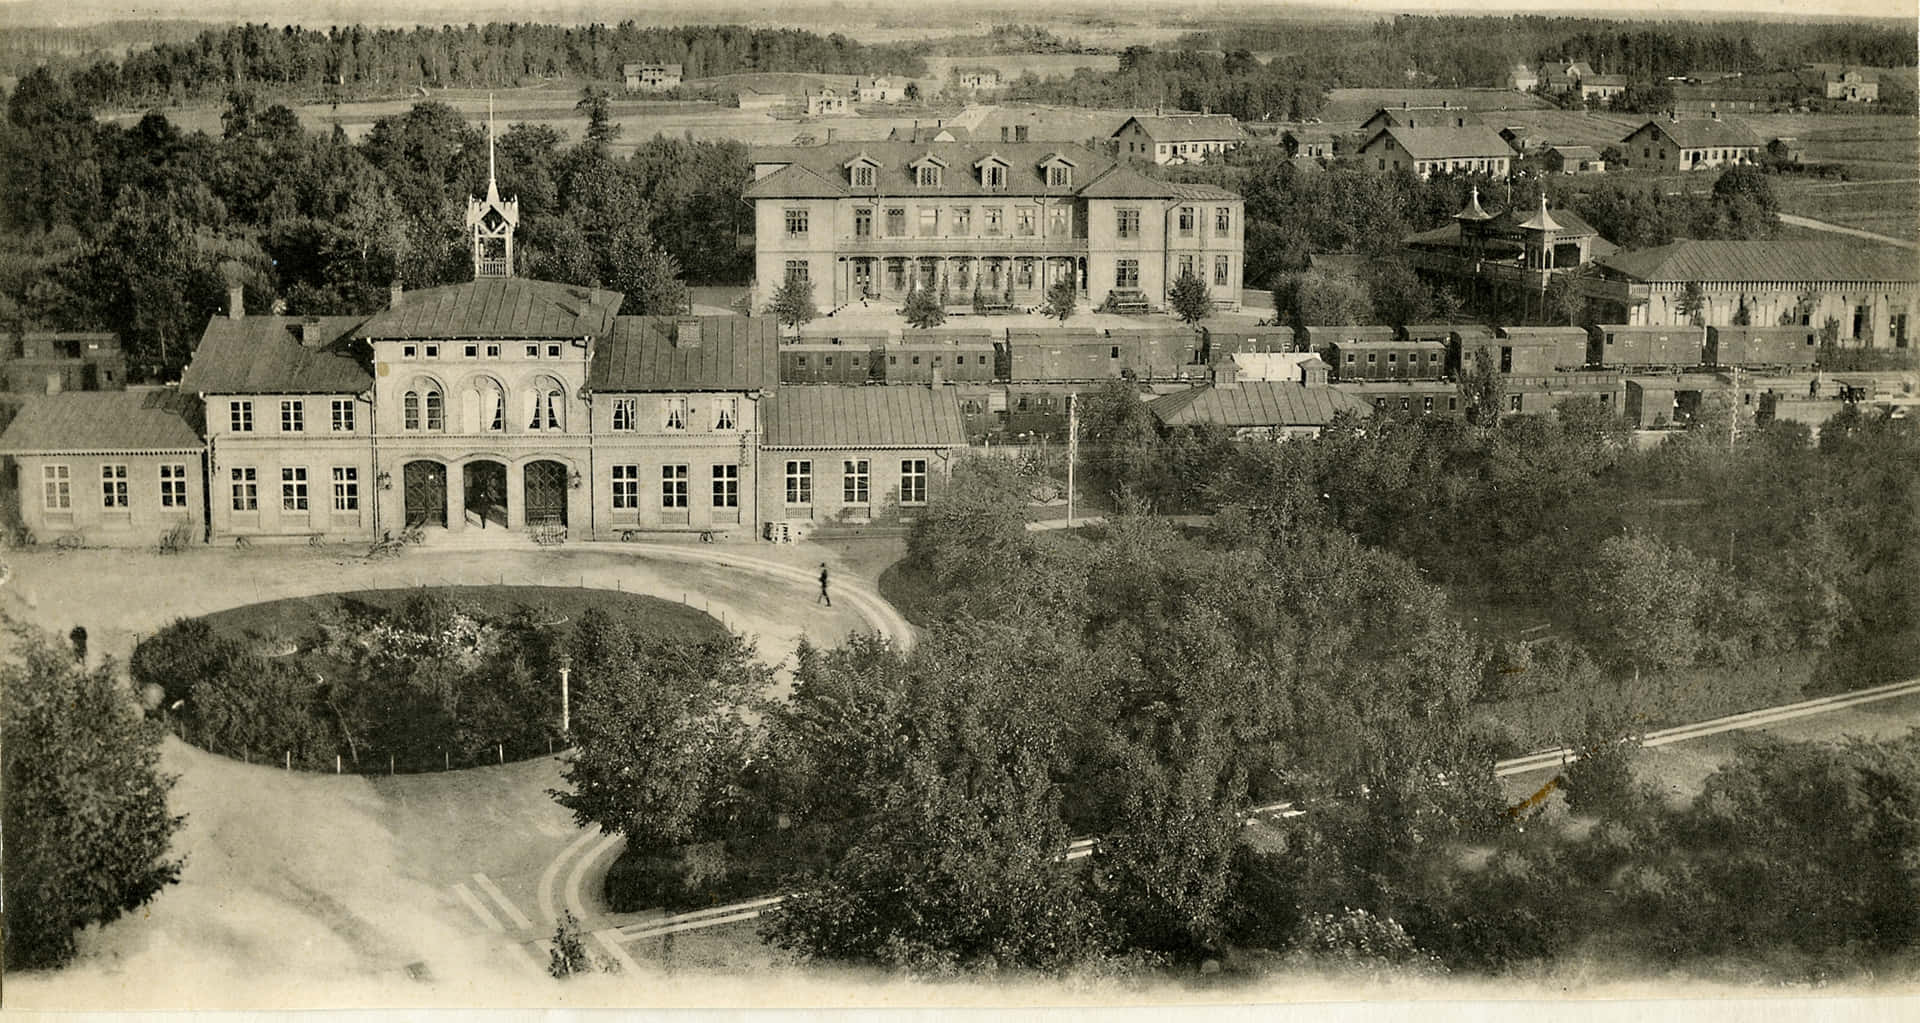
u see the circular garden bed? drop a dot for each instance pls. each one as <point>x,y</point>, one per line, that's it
<point>415,679</point>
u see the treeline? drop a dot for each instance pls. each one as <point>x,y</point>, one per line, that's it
<point>139,230</point>
<point>1234,83</point>
<point>356,61</point>
<point>1478,51</point>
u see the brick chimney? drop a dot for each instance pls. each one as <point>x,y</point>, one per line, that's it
<point>686,333</point>
<point>236,302</point>
<point>310,332</point>
<point>394,293</point>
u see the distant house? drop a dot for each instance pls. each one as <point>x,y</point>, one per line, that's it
<point>1787,148</point>
<point>1309,143</point>
<point>1182,138</point>
<point>765,102</point>
<point>651,77</point>
<point>1667,146</point>
<point>1521,78</point>
<point>1574,160</point>
<point>972,78</point>
<point>1272,409</point>
<point>826,101</point>
<point>1475,149</point>
<point>1602,87</point>
<point>1566,76</point>
<point>869,89</point>
<point>37,363</point>
<point>1851,85</point>
<point>1517,136</point>
<point>1446,115</point>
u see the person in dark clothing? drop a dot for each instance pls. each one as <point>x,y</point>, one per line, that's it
<point>824,598</point>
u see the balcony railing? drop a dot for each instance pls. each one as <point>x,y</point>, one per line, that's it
<point>1002,245</point>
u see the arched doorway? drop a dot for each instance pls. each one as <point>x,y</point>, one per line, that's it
<point>425,493</point>
<point>545,493</point>
<point>485,486</point>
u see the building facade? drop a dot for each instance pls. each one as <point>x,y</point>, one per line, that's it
<point>1474,149</point>
<point>1672,145</point>
<point>1871,292</point>
<point>651,77</point>
<point>878,220</point>
<point>48,363</point>
<point>1178,138</point>
<point>108,467</point>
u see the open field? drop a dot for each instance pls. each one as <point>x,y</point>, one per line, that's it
<point>1890,207</point>
<point>1013,65</point>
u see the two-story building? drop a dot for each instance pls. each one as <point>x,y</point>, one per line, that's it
<point>651,77</point>
<point>1003,220</point>
<point>1602,88</point>
<point>1473,149</point>
<point>1406,115</point>
<point>878,89</point>
<point>1178,138</point>
<point>1671,145</point>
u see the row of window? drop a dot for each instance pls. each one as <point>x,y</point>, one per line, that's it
<point>1412,357</point>
<point>931,175</point>
<point>293,415</point>
<point>856,481</point>
<point>244,482</point>
<point>958,222</point>
<point>673,487</point>
<point>475,350</point>
<point>56,487</point>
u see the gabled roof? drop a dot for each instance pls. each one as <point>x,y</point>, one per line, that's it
<point>820,171</point>
<point>1187,127</point>
<point>1256,403</point>
<point>1475,141</point>
<point>1609,80</point>
<point>1122,182</point>
<point>1576,153</point>
<point>496,307</point>
<point>1195,190</point>
<point>838,416</point>
<point>1429,117</point>
<point>263,355</point>
<point>1702,132</point>
<point>1711,261</point>
<point>735,353</point>
<point>105,422</point>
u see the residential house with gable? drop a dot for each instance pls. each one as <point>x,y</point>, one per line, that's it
<point>1178,138</point>
<point>1666,146</point>
<point>1474,149</point>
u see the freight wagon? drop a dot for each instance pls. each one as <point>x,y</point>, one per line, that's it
<point>1791,347</point>
<point>1671,347</point>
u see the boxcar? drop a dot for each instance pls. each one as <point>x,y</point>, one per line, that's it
<point>1218,345</point>
<point>1792,347</point>
<point>1559,348</point>
<point>1677,346</point>
<point>1387,360</point>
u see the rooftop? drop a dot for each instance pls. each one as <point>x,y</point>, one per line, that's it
<point>645,353</point>
<point>1471,142</point>
<point>1186,127</point>
<point>839,416</point>
<point>826,176</point>
<point>1702,132</point>
<point>1710,261</point>
<point>497,307</point>
<point>1256,403</point>
<point>264,355</point>
<point>75,422</point>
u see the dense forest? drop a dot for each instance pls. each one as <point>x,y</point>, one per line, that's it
<point>354,62</point>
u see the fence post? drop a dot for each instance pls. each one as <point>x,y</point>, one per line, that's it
<point>500,749</point>
<point>336,763</point>
<point>289,760</point>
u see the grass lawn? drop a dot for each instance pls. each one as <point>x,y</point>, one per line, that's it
<point>301,616</point>
<point>1888,207</point>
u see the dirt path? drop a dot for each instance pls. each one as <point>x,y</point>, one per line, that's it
<point>1821,225</point>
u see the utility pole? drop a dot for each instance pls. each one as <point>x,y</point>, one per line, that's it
<point>1733,421</point>
<point>1073,452</point>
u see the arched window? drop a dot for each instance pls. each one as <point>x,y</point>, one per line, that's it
<point>484,406</point>
<point>423,407</point>
<point>546,405</point>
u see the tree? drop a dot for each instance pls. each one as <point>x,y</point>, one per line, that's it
<point>1122,443</point>
<point>1565,299</point>
<point>595,104</point>
<point>1061,296</point>
<point>923,309</point>
<point>792,302</point>
<point>1645,594</point>
<point>1320,298</point>
<point>1190,299</point>
<point>1692,303</point>
<point>1483,390</point>
<point>86,822</point>
<point>650,278</point>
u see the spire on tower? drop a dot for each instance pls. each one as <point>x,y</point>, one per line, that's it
<point>491,220</point>
<point>493,189</point>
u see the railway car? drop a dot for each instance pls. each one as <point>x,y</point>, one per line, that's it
<point>1549,349</point>
<point>1049,354</point>
<point>1791,347</point>
<point>1318,339</point>
<point>826,362</point>
<point>1171,353</point>
<point>1676,347</point>
<point>1387,360</point>
<point>919,356</point>
<point>1218,345</point>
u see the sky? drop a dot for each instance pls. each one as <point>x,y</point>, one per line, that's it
<point>17,12</point>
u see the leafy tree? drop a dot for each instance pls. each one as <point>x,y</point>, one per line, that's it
<point>595,104</point>
<point>1060,299</point>
<point>792,302</point>
<point>87,828</point>
<point>924,309</point>
<point>1565,299</point>
<point>1644,595</point>
<point>1190,299</point>
<point>1122,452</point>
<point>1692,303</point>
<point>1320,298</point>
<point>651,281</point>
<point>1483,390</point>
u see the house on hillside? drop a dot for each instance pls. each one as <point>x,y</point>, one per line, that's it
<point>1602,88</point>
<point>826,101</point>
<point>875,89</point>
<point>975,78</point>
<point>1446,115</point>
<point>651,77</point>
<point>1521,78</point>
<point>1565,76</point>
<point>1574,160</point>
<point>1475,149</point>
<point>1178,138</point>
<point>49,363</point>
<point>1849,84</point>
<point>1667,146</point>
<point>1310,143</point>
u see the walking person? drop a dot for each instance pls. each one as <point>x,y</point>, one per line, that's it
<point>824,597</point>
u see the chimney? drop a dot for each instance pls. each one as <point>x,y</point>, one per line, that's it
<point>1403,104</point>
<point>310,332</point>
<point>236,301</point>
<point>916,129</point>
<point>1226,375</point>
<point>686,333</point>
<point>394,292</point>
<point>1446,104</point>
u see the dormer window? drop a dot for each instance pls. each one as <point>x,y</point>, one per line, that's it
<point>1060,176</point>
<point>928,176</point>
<point>863,175</point>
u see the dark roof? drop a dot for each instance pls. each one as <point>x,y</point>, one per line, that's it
<point>1127,183</point>
<point>1195,190</point>
<point>263,355</point>
<point>1256,403</point>
<point>1709,261</point>
<point>1187,127</point>
<point>894,174</point>
<point>1471,142</point>
<point>1543,335</point>
<point>1702,132</point>
<point>1576,152</point>
<point>1038,355</point>
<point>735,353</point>
<point>836,416</point>
<point>497,307</point>
<point>76,422</point>
<point>1404,117</point>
